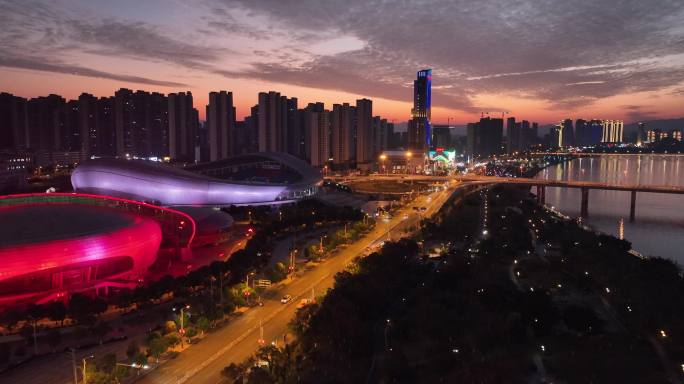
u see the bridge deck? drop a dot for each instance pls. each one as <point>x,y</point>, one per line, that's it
<point>580,184</point>
<point>672,189</point>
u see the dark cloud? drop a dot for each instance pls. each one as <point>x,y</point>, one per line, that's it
<point>38,36</point>
<point>567,52</point>
<point>638,113</point>
<point>46,65</point>
<point>347,72</point>
<point>143,42</point>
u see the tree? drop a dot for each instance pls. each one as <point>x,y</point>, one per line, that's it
<point>100,330</point>
<point>202,324</point>
<point>132,350</point>
<point>27,333</point>
<point>53,338</point>
<point>56,311</point>
<point>158,346</point>
<point>277,273</point>
<point>582,319</point>
<point>170,326</point>
<point>190,332</point>
<point>35,312</point>
<point>232,372</point>
<point>313,253</point>
<point>82,308</point>
<point>172,339</point>
<point>11,318</point>
<point>107,363</point>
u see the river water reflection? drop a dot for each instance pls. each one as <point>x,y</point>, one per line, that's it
<point>659,226</point>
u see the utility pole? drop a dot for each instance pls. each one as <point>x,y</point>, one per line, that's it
<point>85,376</point>
<point>221,287</point>
<point>182,318</point>
<point>73,364</point>
<point>35,340</point>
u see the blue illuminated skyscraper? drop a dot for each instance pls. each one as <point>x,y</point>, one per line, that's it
<point>419,132</point>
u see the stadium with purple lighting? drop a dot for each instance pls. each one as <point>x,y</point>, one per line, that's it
<point>260,178</point>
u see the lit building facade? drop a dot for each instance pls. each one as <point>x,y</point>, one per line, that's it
<point>419,128</point>
<point>83,242</point>
<point>613,131</point>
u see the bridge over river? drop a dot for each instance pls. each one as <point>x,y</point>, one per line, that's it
<point>539,184</point>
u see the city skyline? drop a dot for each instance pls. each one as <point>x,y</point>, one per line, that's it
<point>330,53</point>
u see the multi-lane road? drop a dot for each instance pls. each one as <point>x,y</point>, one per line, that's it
<point>203,362</point>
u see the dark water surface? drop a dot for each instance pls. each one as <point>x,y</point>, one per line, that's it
<point>659,226</point>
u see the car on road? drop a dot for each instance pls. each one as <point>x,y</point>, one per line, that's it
<point>286,299</point>
<point>304,302</point>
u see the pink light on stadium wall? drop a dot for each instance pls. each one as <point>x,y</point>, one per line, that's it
<point>139,241</point>
<point>182,215</point>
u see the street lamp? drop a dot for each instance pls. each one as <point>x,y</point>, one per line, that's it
<point>182,318</point>
<point>321,246</point>
<point>85,378</point>
<point>383,157</point>
<point>409,154</point>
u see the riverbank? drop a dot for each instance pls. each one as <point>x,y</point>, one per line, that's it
<point>658,229</point>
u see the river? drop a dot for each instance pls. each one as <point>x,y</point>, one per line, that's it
<point>658,229</point>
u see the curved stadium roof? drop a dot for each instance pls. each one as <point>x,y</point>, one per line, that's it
<point>167,185</point>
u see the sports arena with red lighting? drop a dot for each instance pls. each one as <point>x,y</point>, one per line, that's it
<point>118,224</point>
<point>55,244</point>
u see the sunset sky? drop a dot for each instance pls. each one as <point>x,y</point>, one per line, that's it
<point>538,60</point>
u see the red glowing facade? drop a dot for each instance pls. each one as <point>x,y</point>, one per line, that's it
<point>77,242</point>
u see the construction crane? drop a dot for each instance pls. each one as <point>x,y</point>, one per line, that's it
<point>483,113</point>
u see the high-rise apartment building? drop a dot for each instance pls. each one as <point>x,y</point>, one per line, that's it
<point>641,134</point>
<point>156,121</point>
<point>341,126</point>
<point>124,122</point>
<point>581,133</point>
<point>556,136</point>
<point>612,131</point>
<point>316,122</point>
<point>512,134</point>
<point>106,131</point>
<point>364,131</point>
<point>13,122</point>
<point>293,134</point>
<point>441,136</point>
<point>46,122</point>
<point>567,133</point>
<point>419,129</point>
<point>272,122</point>
<point>485,137</point>
<point>183,126</point>
<point>381,135</point>
<point>220,125</point>
<point>87,123</point>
